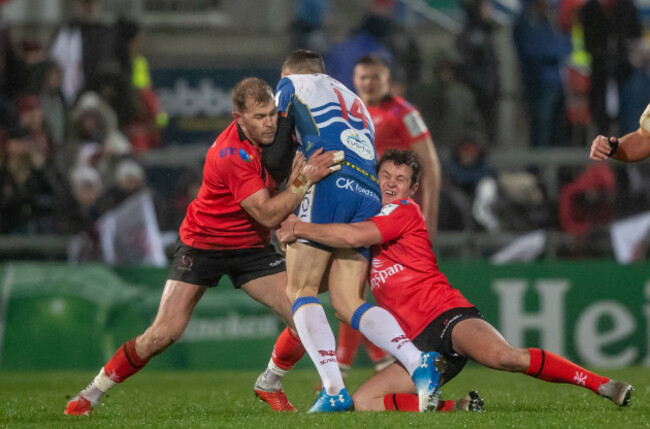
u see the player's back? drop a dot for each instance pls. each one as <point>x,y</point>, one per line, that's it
<point>327,114</point>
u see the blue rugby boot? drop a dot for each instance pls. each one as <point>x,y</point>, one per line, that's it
<point>332,403</point>
<point>427,378</point>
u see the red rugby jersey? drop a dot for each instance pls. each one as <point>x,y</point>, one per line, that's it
<point>404,276</point>
<point>232,172</point>
<point>398,125</point>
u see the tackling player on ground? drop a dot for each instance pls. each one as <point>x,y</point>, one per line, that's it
<point>405,280</point>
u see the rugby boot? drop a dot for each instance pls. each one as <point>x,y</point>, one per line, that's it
<point>269,390</point>
<point>618,392</point>
<point>78,406</point>
<point>427,378</point>
<point>332,403</point>
<point>469,402</point>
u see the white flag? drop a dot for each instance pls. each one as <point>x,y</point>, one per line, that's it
<point>129,233</point>
<point>522,249</point>
<point>629,237</point>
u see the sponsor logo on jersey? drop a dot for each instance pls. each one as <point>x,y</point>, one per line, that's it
<point>379,277</point>
<point>245,155</point>
<point>354,186</point>
<point>404,201</point>
<point>387,209</point>
<point>414,123</point>
<point>358,143</point>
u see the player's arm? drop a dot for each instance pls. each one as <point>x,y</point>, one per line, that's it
<point>277,156</point>
<point>338,235</point>
<point>430,182</point>
<point>271,211</point>
<point>632,147</point>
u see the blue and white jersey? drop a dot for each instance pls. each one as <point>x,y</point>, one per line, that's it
<point>327,114</point>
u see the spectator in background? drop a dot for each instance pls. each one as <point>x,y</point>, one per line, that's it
<point>30,116</point>
<point>542,49</point>
<point>30,191</point>
<point>448,106</point>
<point>587,202</point>
<point>84,244</point>
<point>86,47</point>
<point>143,127</point>
<point>54,108</point>
<point>479,65</point>
<point>13,78</point>
<point>609,30</point>
<point>467,166</point>
<point>307,25</point>
<point>129,180</point>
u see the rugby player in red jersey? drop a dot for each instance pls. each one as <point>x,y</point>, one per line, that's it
<point>226,231</point>
<point>398,125</point>
<point>405,280</point>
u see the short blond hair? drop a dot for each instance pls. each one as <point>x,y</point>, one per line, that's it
<point>251,88</point>
<point>303,61</point>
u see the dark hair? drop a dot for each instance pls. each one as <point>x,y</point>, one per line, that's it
<point>372,60</point>
<point>304,61</point>
<point>251,87</point>
<point>403,157</point>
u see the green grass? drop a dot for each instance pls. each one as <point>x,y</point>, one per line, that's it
<point>217,399</point>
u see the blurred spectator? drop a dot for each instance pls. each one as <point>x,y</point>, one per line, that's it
<point>542,50</point>
<point>30,116</point>
<point>31,193</point>
<point>187,189</point>
<point>448,106</point>
<point>513,201</point>
<point>468,165</point>
<point>96,140</point>
<point>307,25</point>
<point>13,77</point>
<point>143,127</point>
<point>609,30</point>
<point>587,202</point>
<point>635,91</point>
<point>87,189</point>
<point>84,244</point>
<point>86,47</point>
<point>479,65</point>
<point>129,180</point>
<point>53,104</point>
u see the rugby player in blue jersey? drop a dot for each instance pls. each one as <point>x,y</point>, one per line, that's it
<point>320,112</point>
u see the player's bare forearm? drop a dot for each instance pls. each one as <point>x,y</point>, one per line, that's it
<point>339,235</point>
<point>271,211</point>
<point>632,147</point>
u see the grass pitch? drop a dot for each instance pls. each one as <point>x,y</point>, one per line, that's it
<point>223,399</point>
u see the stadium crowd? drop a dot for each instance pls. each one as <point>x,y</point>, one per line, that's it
<point>75,114</point>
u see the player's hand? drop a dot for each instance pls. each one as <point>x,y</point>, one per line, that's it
<point>600,149</point>
<point>321,164</point>
<point>296,166</point>
<point>285,232</point>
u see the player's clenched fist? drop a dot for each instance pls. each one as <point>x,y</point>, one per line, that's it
<point>601,148</point>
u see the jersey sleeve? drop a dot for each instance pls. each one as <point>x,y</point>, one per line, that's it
<point>412,127</point>
<point>239,172</point>
<point>395,219</point>
<point>284,95</point>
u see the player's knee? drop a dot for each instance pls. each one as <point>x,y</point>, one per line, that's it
<point>362,402</point>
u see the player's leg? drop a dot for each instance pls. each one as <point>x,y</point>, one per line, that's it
<point>481,342</point>
<point>306,265</point>
<point>176,306</point>
<point>392,389</point>
<point>347,279</point>
<point>271,291</point>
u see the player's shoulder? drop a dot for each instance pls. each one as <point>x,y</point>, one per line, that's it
<point>400,105</point>
<point>402,206</point>
<point>229,150</point>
